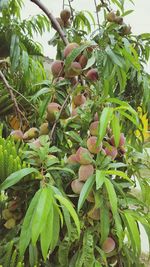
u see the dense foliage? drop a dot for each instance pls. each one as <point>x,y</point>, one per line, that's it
<point>74,147</point>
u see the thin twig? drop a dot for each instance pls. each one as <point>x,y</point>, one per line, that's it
<point>61,110</point>
<point>52,19</point>
<point>105,5</point>
<point>63,5</point>
<point>19,113</point>
<point>71,9</point>
<point>98,22</point>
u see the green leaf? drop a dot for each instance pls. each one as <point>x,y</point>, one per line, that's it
<point>16,177</point>
<point>25,235</point>
<point>116,129</point>
<point>40,214</point>
<point>131,59</point>
<point>104,222</point>
<point>114,57</point>
<point>85,191</point>
<point>119,173</point>
<point>68,205</point>
<point>97,264</point>
<point>134,232</point>
<point>104,120</point>
<point>112,195</point>
<point>100,178</point>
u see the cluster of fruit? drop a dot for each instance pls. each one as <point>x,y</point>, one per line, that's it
<point>113,17</point>
<point>64,19</point>
<point>12,214</point>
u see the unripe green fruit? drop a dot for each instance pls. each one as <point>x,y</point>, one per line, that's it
<point>7,214</point>
<point>17,135</point>
<point>111,16</point>
<point>83,156</point>
<point>57,68</point>
<point>92,145</point>
<point>74,70</point>
<point>108,245</point>
<point>94,128</point>
<point>69,48</point>
<point>92,75</point>
<point>13,205</point>
<point>31,133</point>
<point>52,110</point>
<point>111,151</point>
<point>10,223</point>
<point>77,186</point>
<point>65,15</point>
<point>79,100</point>
<point>85,171</point>
<point>94,214</point>
<point>44,128</point>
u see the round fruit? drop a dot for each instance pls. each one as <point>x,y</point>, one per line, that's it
<point>77,186</point>
<point>79,100</point>
<point>31,133</point>
<point>52,110</point>
<point>44,128</point>
<point>83,156</point>
<point>92,75</point>
<point>92,145</point>
<point>69,48</point>
<point>7,214</point>
<point>111,151</point>
<point>72,159</point>
<point>17,135</point>
<point>83,61</point>
<point>65,15</point>
<point>85,171</point>
<point>108,245</point>
<point>10,223</point>
<point>94,214</point>
<point>119,20</point>
<point>121,141</point>
<point>111,16</point>
<point>74,70</point>
<point>57,68</point>
<point>94,128</point>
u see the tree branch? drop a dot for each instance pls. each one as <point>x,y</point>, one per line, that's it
<point>52,20</point>
<point>98,22</point>
<point>105,5</point>
<point>19,113</point>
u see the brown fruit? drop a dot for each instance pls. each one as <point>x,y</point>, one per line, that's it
<point>57,68</point>
<point>85,171</point>
<point>17,135</point>
<point>121,141</point>
<point>76,186</point>
<point>111,151</point>
<point>65,15</point>
<point>90,197</point>
<point>69,48</point>
<point>67,24</point>
<point>94,214</point>
<point>108,245</point>
<point>92,75</point>
<point>83,156</point>
<point>92,145</point>
<point>74,70</point>
<point>125,30</point>
<point>31,133</point>
<point>83,61</point>
<point>7,214</point>
<point>9,224</point>
<point>73,80</point>
<point>119,20</point>
<point>79,100</point>
<point>72,159</point>
<point>52,110</point>
<point>60,21</point>
<point>94,128</point>
<point>44,128</point>
<point>111,16</point>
